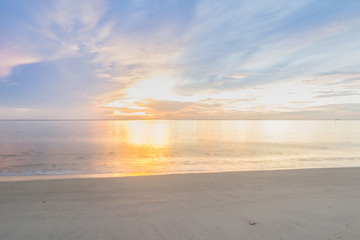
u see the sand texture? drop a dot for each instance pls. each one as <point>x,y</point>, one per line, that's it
<point>287,204</point>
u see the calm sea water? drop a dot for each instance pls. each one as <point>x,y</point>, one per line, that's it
<point>157,147</point>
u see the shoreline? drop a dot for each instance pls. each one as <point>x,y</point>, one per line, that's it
<point>282,204</point>
<point>43,177</point>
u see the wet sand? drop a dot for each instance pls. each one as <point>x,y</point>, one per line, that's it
<point>284,204</point>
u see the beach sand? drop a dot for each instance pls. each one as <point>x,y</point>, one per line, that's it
<point>281,204</point>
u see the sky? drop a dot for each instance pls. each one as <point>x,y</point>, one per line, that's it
<point>179,59</point>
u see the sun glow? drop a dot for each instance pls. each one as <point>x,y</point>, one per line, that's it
<point>157,98</point>
<point>158,87</point>
<point>132,113</point>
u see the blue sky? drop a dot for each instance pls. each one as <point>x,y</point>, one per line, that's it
<point>138,59</point>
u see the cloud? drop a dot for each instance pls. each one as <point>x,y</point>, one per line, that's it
<point>13,57</point>
<point>55,30</point>
<point>241,38</point>
<point>195,59</point>
<point>331,94</point>
<point>18,113</point>
<point>343,80</point>
<point>159,106</point>
<point>72,28</point>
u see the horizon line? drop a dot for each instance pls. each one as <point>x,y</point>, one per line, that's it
<point>207,119</point>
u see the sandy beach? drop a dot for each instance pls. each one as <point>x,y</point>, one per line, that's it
<point>284,204</point>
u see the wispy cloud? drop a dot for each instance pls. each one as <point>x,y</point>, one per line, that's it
<point>11,57</point>
<point>187,59</point>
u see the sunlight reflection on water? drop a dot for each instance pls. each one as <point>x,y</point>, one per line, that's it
<point>157,147</point>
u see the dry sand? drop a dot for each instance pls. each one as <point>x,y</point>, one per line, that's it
<point>287,204</point>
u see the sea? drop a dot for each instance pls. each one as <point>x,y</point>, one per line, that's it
<point>136,147</point>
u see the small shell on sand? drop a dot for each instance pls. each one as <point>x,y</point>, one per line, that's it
<point>252,222</point>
